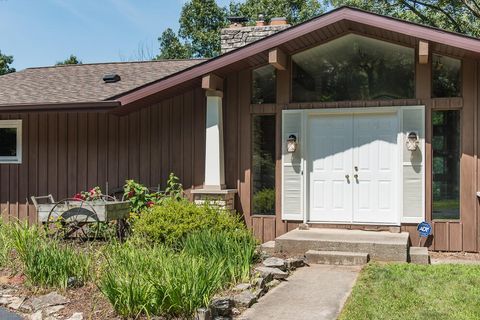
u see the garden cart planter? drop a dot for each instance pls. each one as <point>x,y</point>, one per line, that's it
<point>79,218</point>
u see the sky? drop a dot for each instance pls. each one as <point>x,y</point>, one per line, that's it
<point>43,32</point>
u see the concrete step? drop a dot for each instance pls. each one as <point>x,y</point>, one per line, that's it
<point>337,257</point>
<point>381,246</point>
<point>419,255</point>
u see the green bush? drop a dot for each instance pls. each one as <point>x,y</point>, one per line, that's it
<point>46,262</point>
<point>264,201</point>
<point>158,281</point>
<point>174,219</point>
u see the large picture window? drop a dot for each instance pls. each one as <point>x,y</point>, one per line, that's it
<point>10,141</point>
<point>353,67</point>
<point>263,164</point>
<point>446,164</point>
<point>446,76</point>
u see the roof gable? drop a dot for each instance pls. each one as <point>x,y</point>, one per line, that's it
<point>336,22</point>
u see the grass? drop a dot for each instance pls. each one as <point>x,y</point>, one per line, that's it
<point>47,263</point>
<point>407,291</point>
<point>140,278</point>
<point>4,244</point>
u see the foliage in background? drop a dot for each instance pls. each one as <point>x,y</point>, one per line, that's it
<point>5,64</point>
<point>264,201</point>
<point>142,198</point>
<point>70,60</point>
<point>45,262</point>
<point>171,47</point>
<point>400,291</point>
<point>174,219</point>
<point>458,16</point>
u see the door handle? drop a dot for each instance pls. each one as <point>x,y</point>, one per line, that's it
<point>355,176</point>
<point>347,176</point>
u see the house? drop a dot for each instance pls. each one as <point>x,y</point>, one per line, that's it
<point>349,120</point>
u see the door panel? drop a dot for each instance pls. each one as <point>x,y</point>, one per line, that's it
<point>374,161</point>
<point>330,159</point>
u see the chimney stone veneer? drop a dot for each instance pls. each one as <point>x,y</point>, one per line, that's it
<point>237,37</point>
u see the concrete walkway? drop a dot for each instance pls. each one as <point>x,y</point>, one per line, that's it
<point>317,292</point>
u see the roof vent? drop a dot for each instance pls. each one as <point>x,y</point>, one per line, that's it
<point>111,78</point>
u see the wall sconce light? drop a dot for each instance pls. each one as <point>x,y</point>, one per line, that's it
<point>292,143</point>
<point>412,141</point>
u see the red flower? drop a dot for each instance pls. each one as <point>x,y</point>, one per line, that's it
<point>131,194</point>
<point>150,204</point>
<point>78,197</point>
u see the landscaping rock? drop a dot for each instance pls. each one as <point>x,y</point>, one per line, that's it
<point>48,300</point>
<point>293,263</point>
<point>273,284</point>
<point>242,287</point>
<point>36,316</point>
<point>15,302</point>
<point>76,316</point>
<point>74,282</point>
<point>51,310</point>
<point>203,314</point>
<point>235,312</point>
<point>259,292</point>
<point>269,272</point>
<point>274,262</point>
<point>244,299</point>
<point>221,307</point>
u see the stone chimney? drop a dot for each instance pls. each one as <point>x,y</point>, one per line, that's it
<point>239,35</point>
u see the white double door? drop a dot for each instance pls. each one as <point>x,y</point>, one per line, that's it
<point>352,168</point>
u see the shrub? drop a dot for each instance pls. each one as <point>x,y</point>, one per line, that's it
<point>45,262</point>
<point>158,281</point>
<point>174,219</point>
<point>234,249</point>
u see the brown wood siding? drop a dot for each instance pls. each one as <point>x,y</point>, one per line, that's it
<point>64,153</point>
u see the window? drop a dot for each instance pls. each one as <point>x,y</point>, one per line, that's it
<point>446,81</point>
<point>10,141</point>
<point>353,68</point>
<point>446,164</point>
<point>263,164</point>
<point>264,85</point>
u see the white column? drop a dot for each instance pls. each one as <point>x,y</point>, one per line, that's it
<point>214,153</point>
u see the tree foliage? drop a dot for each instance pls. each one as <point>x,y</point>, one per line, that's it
<point>5,64</point>
<point>295,11</point>
<point>462,16</point>
<point>70,60</point>
<point>172,48</point>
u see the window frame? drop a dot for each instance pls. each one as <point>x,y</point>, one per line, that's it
<point>17,124</point>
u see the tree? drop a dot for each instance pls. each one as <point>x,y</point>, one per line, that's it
<point>295,11</point>
<point>5,62</point>
<point>200,25</point>
<point>71,60</point>
<point>462,16</point>
<point>172,48</point>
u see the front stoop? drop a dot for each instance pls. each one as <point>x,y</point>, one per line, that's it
<point>381,246</point>
<point>419,255</point>
<point>337,258</point>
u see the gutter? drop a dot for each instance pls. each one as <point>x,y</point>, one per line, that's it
<point>98,106</point>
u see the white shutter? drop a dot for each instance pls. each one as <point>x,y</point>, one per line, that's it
<point>413,119</point>
<point>292,166</point>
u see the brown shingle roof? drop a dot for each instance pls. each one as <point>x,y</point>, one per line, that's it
<point>83,83</point>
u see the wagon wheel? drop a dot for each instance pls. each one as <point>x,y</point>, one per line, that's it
<point>72,218</point>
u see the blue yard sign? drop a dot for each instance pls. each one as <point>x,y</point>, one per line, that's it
<point>424,229</point>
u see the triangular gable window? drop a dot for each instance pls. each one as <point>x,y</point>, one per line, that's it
<point>353,67</point>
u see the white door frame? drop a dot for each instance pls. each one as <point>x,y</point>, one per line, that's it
<point>398,173</point>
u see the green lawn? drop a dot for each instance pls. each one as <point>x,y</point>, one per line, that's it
<point>407,291</point>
